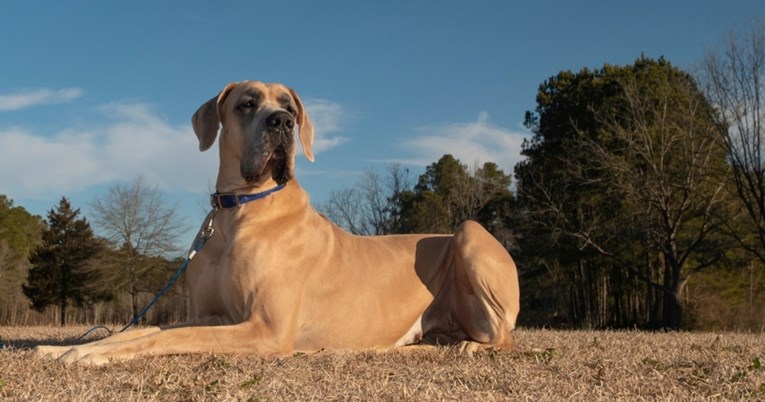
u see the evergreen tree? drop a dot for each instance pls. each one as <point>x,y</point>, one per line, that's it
<point>448,193</point>
<point>62,272</point>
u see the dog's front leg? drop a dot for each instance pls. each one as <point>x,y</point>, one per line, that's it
<point>245,338</point>
<point>53,352</point>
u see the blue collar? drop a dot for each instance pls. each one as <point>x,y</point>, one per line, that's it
<point>226,201</point>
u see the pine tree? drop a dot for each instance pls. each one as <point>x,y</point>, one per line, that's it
<point>62,273</point>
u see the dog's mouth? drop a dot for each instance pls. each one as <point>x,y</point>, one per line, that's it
<point>275,162</point>
<point>271,160</point>
<point>278,162</point>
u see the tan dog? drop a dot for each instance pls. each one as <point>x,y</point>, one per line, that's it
<point>277,277</point>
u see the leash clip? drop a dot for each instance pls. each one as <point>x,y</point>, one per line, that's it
<point>208,230</point>
<point>205,233</point>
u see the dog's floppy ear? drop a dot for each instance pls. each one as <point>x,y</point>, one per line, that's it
<point>306,127</point>
<point>206,120</point>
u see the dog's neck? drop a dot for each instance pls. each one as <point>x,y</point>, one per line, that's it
<point>246,188</point>
<point>268,189</point>
<point>226,201</point>
<point>234,184</point>
<point>276,208</point>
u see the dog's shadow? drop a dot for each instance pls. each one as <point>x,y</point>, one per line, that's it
<point>26,342</point>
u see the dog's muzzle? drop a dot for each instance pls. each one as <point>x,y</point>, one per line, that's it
<point>277,144</point>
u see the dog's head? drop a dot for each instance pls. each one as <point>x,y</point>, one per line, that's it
<point>257,141</point>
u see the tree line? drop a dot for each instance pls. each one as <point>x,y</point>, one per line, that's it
<point>640,202</point>
<point>57,270</point>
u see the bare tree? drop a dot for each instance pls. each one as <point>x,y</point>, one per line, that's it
<point>473,191</point>
<point>344,208</point>
<point>669,169</point>
<point>469,194</point>
<point>137,220</point>
<point>367,208</point>
<point>734,81</point>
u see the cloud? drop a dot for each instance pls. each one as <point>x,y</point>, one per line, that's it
<point>478,141</point>
<point>35,97</point>
<point>128,139</point>
<point>327,118</point>
<point>131,141</point>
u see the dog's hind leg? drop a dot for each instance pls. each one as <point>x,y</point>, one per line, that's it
<point>487,297</point>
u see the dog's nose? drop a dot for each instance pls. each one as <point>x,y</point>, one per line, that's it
<point>280,120</point>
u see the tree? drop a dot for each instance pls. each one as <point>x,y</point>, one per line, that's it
<point>568,279</point>
<point>19,235</point>
<point>493,202</point>
<point>448,193</point>
<point>734,81</point>
<point>668,168</point>
<point>435,205</point>
<point>370,207</point>
<point>445,195</point>
<point>62,273</point>
<point>625,169</point>
<point>136,219</point>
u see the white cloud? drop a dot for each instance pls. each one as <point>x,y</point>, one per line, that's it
<point>478,141</point>
<point>133,141</point>
<point>327,118</point>
<point>130,140</point>
<point>34,97</point>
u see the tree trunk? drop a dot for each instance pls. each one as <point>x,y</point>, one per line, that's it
<point>62,313</point>
<point>673,310</point>
<point>133,288</point>
<point>134,302</point>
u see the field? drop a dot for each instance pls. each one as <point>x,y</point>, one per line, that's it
<point>548,365</point>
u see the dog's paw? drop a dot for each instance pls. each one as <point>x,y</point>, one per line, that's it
<point>470,347</point>
<point>49,352</point>
<point>85,356</point>
<point>94,359</point>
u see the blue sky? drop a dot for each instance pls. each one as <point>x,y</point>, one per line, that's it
<point>92,92</point>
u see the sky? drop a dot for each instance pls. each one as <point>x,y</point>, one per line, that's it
<point>94,92</point>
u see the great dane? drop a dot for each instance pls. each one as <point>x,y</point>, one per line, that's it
<point>276,277</point>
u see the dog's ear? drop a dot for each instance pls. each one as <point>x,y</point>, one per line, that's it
<point>306,127</point>
<point>206,120</point>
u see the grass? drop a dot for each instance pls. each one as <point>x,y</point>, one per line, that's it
<point>548,365</point>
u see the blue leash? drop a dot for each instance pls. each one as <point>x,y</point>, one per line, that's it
<point>205,232</point>
<point>164,290</point>
<point>218,200</point>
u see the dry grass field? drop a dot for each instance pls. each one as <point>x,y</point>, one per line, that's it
<point>548,365</point>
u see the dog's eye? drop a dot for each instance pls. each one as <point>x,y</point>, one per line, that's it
<point>290,110</point>
<point>247,105</point>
